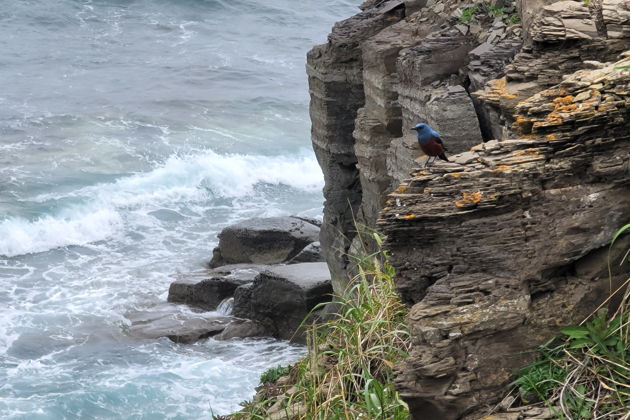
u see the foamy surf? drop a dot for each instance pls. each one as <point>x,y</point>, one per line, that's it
<point>200,179</point>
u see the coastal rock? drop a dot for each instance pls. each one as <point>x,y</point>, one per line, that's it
<point>206,289</point>
<point>269,240</point>
<point>511,244</point>
<point>311,253</point>
<point>178,325</point>
<point>282,296</point>
<point>336,87</point>
<point>242,328</point>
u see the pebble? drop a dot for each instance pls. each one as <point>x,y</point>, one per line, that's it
<point>583,96</point>
<point>462,28</point>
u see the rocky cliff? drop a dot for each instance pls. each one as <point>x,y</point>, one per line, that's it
<point>497,249</point>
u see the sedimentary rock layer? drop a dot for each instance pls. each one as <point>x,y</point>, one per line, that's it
<point>501,248</point>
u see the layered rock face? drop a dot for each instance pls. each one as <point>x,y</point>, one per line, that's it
<point>498,249</point>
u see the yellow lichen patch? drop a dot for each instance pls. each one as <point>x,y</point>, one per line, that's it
<point>528,151</point>
<point>409,216</point>
<point>455,174</point>
<point>401,189</point>
<point>497,88</point>
<point>551,137</point>
<point>563,100</point>
<point>501,168</point>
<point>469,198</point>
<point>552,119</point>
<point>492,196</point>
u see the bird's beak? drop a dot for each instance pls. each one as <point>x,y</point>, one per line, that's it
<point>412,129</point>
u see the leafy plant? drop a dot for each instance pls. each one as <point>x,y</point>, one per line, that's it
<point>273,374</point>
<point>468,13</point>
<point>495,11</point>
<point>514,18</point>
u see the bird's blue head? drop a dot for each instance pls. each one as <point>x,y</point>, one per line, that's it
<point>419,128</point>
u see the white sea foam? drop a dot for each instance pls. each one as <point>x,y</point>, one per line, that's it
<point>19,236</point>
<point>180,179</point>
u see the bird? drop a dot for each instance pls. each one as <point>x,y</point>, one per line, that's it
<point>430,143</point>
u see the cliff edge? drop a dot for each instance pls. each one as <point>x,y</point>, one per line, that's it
<point>498,249</point>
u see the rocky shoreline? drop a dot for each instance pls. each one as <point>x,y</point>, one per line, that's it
<point>265,276</point>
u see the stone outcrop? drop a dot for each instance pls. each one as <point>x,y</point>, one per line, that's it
<point>498,249</point>
<point>270,240</point>
<point>282,296</point>
<point>336,87</point>
<point>510,243</point>
<point>382,71</point>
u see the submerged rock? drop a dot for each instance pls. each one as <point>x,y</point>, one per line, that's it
<point>282,296</point>
<point>270,240</point>
<point>178,325</point>
<point>242,328</point>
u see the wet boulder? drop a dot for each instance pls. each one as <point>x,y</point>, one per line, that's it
<point>242,328</point>
<point>208,288</point>
<point>281,297</point>
<point>269,240</point>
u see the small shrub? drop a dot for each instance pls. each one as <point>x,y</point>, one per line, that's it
<point>514,18</point>
<point>273,374</point>
<point>468,13</point>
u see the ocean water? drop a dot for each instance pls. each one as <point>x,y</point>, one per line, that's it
<point>131,132</point>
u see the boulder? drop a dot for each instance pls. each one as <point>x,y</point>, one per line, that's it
<point>311,253</point>
<point>269,240</point>
<point>170,321</point>
<point>208,288</point>
<point>242,328</point>
<point>281,297</point>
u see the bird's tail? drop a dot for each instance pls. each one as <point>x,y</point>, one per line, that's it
<point>443,157</point>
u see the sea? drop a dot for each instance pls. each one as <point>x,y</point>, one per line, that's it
<point>131,133</point>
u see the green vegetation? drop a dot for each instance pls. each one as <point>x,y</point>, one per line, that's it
<point>514,18</point>
<point>273,374</point>
<point>348,371</point>
<point>468,13</point>
<point>494,11</point>
<point>587,374</point>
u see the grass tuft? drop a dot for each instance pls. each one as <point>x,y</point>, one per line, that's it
<point>347,373</point>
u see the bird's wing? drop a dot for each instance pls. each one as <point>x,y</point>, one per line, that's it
<point>437,138</point>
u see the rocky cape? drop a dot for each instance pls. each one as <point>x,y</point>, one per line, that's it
<point>500,248</point>
<point>265,277</point>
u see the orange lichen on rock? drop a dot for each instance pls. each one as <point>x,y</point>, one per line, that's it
<point>563,100</point>
<point>469,198</point>
<point>497,88</point>
<point>389,201</point>
<point>409,216</point>
<point>501,168</point>
<point>528,151</point>
<point>401,189</point>
<point>551,137</point>
<point>454,174</point>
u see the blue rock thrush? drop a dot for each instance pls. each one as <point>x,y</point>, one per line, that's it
<point>430,143</point>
